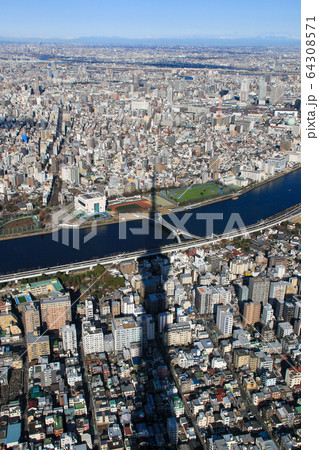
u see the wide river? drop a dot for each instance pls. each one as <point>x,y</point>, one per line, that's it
<point>43,251</point>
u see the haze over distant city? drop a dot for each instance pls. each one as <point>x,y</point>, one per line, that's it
<point>183,20</point>
<point>150,223</point>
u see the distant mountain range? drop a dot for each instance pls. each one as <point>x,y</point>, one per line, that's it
<point>258,41</point>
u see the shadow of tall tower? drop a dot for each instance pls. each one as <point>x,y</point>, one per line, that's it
<point>154,272</point>
<point>155,226</point>
<point>153,198</point>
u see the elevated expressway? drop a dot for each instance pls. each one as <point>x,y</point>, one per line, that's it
<point>291,213</point>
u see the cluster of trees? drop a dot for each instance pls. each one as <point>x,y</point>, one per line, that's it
<point>99,273</point>
<point>244,244</point>
<point>295,231</point>
<point>103,278</point>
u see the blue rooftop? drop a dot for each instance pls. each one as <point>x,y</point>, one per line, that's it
<point>13,433</point>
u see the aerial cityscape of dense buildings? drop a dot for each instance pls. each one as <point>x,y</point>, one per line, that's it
<point>90,125</point>
<point>168,352</point>
<point>191,349</point>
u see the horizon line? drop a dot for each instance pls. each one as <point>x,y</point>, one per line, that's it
<point>180,37</point>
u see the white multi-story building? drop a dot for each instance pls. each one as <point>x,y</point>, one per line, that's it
<point>224,294</point>
<point>254,175</point>
<point>169,287</point>
<point>262,92</point>
<point>126,331</point>
<point>178,334</point>
<point>70,174</point>
<point>73,375</point>
<point>244,90</point>
<point>224,320</point>
<point>206,297</point>
<point>293,377</point>
<point>278,162</point>
<point>169,95</point>
<point>90,203</point>
<point>69,340</point>
<point>89,309</point>
<point>277,290</point>
<point>238,266</point>
<point>164,319</point>
<point>276,94</point>
<point>264,361</point>
<point>284,329</point>
<point>92,338</point>
<point>267,314</point>
<point>139,104</point>
<point>218,363</point>
<point>127,305</point>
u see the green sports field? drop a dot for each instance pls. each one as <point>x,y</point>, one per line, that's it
<point>197,193</point>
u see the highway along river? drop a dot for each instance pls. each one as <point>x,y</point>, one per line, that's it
<point>42,251</point>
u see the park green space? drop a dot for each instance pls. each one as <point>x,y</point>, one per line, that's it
<point>197,193</point>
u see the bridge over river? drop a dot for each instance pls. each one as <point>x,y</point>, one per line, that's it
<point>291,213</point>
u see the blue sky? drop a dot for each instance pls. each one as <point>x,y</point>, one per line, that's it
<point>149,18</point>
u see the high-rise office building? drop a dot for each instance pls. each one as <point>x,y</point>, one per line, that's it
<point>55,311</point>
<point>170,95</point>
<point>276,94</point>
<point>214,164</point>
<point>288,311</point>
<point>30,319</point>
<point>251,313</point>
<point>258,290</point>
<point>148,327</point>
<point>156,301</point>
<point>207,297</point>
<point>203,300</point>
<point>244,90</point>
<point>277,290</point>
<point>262,92</point>
<point>297,312</point>
<point>279,309</point>
<point>242,293</point>
<point>208,148</point>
